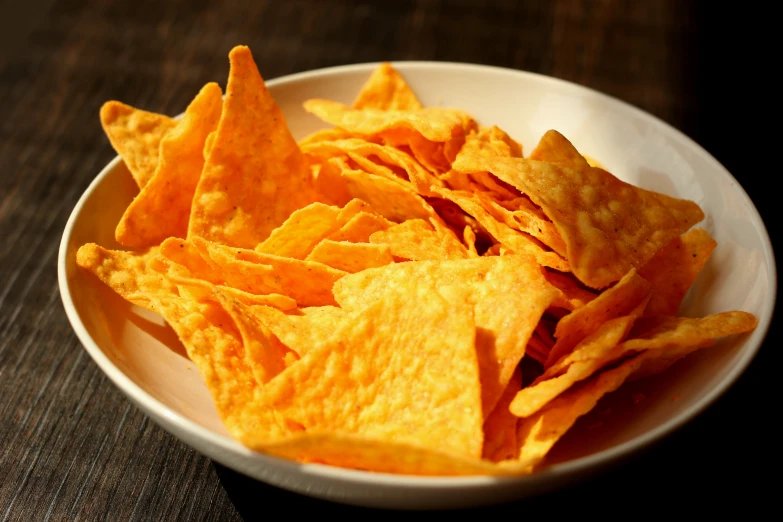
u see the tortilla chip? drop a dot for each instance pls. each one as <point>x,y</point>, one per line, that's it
<point>264,353</point>
<point>386,90</point>
<point>308,283</point>
<point>614,302</point>
<point>433,123</point>
<point>469,237</point>
<point>589,356</point>
<point>351,257</point>
<point>538,433</point>
<point>572,296</point>
<point>381,160</point>
<point>417,240</point>
<point>529,223</point>
<point>304,229</point>
<point>324,135</point>
<point>492,141</point>
<point>201,289</point>
<point>360,227</point>
<point>555,148</point>
<point>516,241</point>
<point>162,208</point>
<point>390,199</point>
<point>207,332</point>
<point>215,346</point>
<point>300,330</point>
<point>500,428</point>
<point>503,290</point>
<point>208,143</point>
<point>135,135</point>
<point>666,340</point>
<point>127,273</point>
<point>674,268</point>
<point>406,364</point>
<point>382,456</point>
<point>255,175</point>
<point>608,225</point>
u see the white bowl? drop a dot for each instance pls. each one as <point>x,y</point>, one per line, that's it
<point>143,357</point>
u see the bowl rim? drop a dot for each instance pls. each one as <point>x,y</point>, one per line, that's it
<point>153,407</point>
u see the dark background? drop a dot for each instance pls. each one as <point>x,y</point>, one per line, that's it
<point>73,448</point>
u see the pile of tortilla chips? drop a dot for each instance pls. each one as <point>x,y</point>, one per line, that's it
<point>367,297</point>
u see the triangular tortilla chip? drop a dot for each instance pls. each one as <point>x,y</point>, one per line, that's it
<point>518,242</point>
<point>609,226</point>
<point>612,303</point>
<point>351,257</point>
<point>588,358</point>
<point>417,240</point>
<point>500,428</point>
<point>162,208</point>
<point>414,376</point>
<point>255,176</point>
<point>386,90</point>
<point>503,290</point>
<point>555,148</point>
<point>136,136</point>
<point>674,268</point>
<point>304,229</point>
<point>433,123</point>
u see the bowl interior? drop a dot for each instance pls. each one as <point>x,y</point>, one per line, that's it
<point>632,145</point>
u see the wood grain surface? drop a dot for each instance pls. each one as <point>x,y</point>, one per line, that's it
<point>73,448</point>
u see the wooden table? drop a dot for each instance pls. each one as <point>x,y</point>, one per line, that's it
<point>73,448</point>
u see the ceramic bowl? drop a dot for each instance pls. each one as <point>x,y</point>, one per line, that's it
<point>143,357</point>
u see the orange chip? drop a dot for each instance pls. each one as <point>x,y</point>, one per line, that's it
<point>304,229</point>
<point>665,340</point>
<point>555,148</point>
<point>674,268</point>
<point>202,289</point>
<point>328,181</point>
<point>433,123</point>
<point>383,456</point>
<point>517,242</point>
<point>538,433</point>
<point>162,208</point>
<point>386,90</point>
<point>300,330</point>
<point>527,222</point>
<point>417,240</point>
<point>208,143</point>
<point>360,227</point>
<point>503,290</point>
<point>492,141</point>
<point>614,302</point>
<point>608,226</point>
<point>308,283</point>
<point>136,136</point>
<point>572,296</point>
<point>406,365</point>
<point>589,356</point>
<point>129,274</point>
<point>500,428</point>
<point>351,257</point>
<point>381,160</point>
<point>255,175</point>
<point>209,335</point>
<point>431,154</point>
<point>324,135</point>
<point>390,199</point>
<point>469,237</point>
<point>264,352</point>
